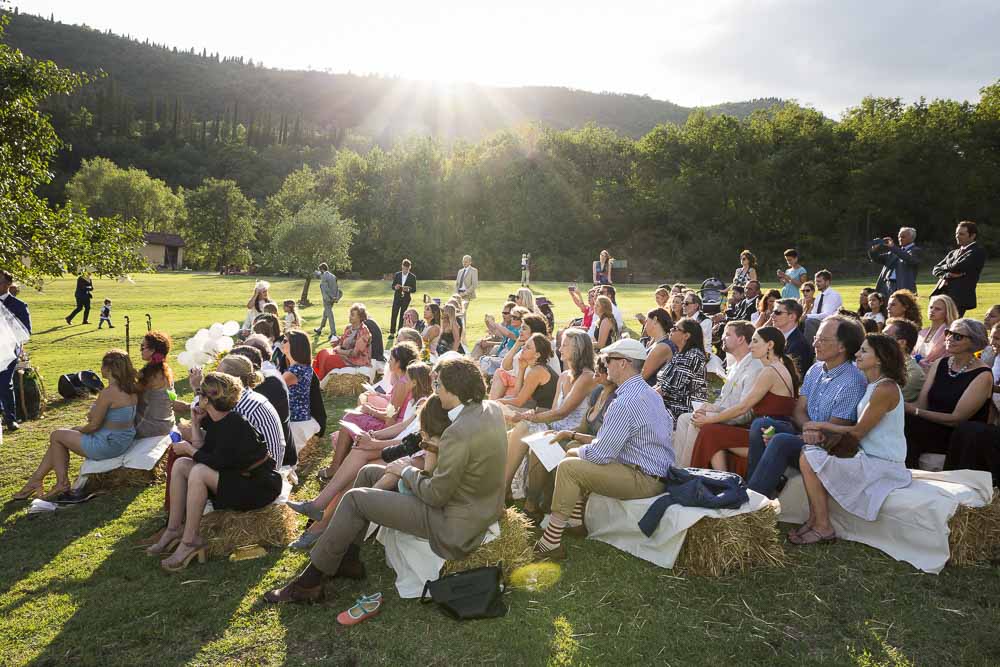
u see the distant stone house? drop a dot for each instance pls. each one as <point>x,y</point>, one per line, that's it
<point>164,250</point>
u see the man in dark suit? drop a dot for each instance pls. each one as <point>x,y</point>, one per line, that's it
<point>451,508</point>
<point>404,284</point>
<point>84,287</point>
<point>899,262</point>
<point>19,310</point>
<point>958,273</point>
<point>786,316</point>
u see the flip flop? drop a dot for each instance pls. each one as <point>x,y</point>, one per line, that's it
<point>365,607</point>
<point>812,536</point>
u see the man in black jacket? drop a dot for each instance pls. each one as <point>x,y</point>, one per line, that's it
<point>899,262</point>
<point>785,317</point>
<point>84,287</point>
<point>958,273</point>
<point>404,284</point>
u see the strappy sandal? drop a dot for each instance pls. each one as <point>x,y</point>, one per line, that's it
<point>198,550</point>
<point>171,542</point>
<point>365,607</point>
<point>812,536</point>
<point>56,491</point>
<point>798,532</point>
<point>29,491</point>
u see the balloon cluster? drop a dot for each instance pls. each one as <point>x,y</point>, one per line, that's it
<point>208,343</point>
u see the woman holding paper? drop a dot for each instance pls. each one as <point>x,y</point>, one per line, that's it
<point>572,400</point>
<point>369,417</point>
<point>367,447</point>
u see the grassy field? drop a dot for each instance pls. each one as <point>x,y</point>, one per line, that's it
<point>74,589</point>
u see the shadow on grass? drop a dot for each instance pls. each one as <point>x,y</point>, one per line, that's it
<point>130,603</point>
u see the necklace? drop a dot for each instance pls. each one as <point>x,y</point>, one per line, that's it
<point>954,373</point>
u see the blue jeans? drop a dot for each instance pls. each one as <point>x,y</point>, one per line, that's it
<point>766,464</point>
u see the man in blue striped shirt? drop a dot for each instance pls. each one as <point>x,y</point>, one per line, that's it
<point>627,459</point>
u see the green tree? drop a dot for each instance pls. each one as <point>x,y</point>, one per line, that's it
<point>315,234</point>
<point>219,224</point>
<point>35,239</point>
<point>106,189</point>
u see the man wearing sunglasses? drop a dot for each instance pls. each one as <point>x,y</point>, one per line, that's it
<point>627,459</point>
<point>786,316</point>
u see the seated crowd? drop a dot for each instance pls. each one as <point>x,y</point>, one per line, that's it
<point>853,400</point>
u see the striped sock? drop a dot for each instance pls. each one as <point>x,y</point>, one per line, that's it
<point>576,519</point>
<point>552,537</point>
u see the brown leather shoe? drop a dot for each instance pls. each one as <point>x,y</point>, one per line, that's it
<point>576,531</point>
<point>351,566</point>
<point>293,592</point>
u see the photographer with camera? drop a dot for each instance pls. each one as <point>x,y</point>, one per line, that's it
<point>899,262</point>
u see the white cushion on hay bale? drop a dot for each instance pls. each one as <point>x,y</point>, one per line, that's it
<point>912,525</point>
<point>413,559</point>
<point>302,431</point>
<point>143,454</point>
<point>616,522</point>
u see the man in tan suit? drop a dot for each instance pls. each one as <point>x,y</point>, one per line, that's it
<point>451,508</point>
<point>466,283</point>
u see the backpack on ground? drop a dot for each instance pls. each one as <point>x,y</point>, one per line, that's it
<point>29,394</point>
<point>79,384</point>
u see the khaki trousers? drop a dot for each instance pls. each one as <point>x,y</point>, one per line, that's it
<point>360,506</point>
<point>576,478</point>
<point>684,439</point>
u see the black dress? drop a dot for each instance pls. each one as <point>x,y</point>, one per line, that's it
<point>922,435</point>
<point>975,446</point>
<point>231,447</point>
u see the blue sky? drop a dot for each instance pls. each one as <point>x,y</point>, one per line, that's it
<point>824,54</point>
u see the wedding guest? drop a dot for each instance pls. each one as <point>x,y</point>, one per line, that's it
<point>930,345</point>
<point>683,379</point>
<point>902,304</point>
<point>791,279</point>
<point>905,333</point>
<point>154,412</point>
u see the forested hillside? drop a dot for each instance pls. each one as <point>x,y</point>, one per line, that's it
<point>284,153</point>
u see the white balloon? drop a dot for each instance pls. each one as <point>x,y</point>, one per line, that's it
<point>202,358</point>
<point>207,345</point>
<point>202,333</point>
<point>231,328</point>
<point>223,344</point>
<point>192,345</point>
<point>186,359</point>
<point>216,330</point>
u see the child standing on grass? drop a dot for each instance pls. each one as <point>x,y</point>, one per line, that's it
<point>105,315</point>
<point>292,318</point>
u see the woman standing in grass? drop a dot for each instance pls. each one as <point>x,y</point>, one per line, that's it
<point>109,431</point>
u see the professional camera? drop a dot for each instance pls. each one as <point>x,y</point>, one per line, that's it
<point>411,445</point>
<point>878,244</point>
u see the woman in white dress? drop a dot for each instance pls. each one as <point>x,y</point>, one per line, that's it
<point>859,484</point>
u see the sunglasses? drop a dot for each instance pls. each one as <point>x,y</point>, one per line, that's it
<point>954,335</point>
<point>779,312</point>
<point>690,303</point>
<point>506,312</point>
<point>808,290</point>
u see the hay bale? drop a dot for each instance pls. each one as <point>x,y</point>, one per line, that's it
<point>121,478</point>
<point>344,384</point>
<point>513,547</point>
<point>714,547</point>
<point>225,530</point>
<point>974,533</point>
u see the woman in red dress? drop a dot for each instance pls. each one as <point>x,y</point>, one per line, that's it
<point>773,394</point>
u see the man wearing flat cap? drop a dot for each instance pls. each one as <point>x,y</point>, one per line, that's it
<point>627,459</point>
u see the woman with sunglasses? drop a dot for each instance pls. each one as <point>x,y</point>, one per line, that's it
<point>225,461</point>
<point>808,290</point>
<point>683,380</point>
<point>957,389</point>
<point>930,347</point>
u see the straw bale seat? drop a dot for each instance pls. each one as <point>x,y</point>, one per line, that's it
<point>143,464</point>
<point>950,517</point>
<point>509,540</point>
<point>274,525</point>
<point>701,541</point>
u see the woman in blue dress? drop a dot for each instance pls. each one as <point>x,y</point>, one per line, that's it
<point>109,431</point>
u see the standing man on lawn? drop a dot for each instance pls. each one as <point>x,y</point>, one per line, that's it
<point>328,289</point>
<point>466,284</point>
<point>404,284</point>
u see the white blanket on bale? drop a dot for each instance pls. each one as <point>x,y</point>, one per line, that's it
<point>912,525</point>
<point>616,522</point>
<point>413,559</point>
<point>144,454</point>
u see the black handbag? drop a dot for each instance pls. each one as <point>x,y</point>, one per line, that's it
<point>476,593</point>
